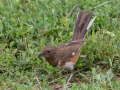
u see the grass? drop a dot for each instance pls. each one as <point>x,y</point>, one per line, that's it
<point>28,25</point>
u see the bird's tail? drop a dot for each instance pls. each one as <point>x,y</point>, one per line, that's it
<point>82,25</point>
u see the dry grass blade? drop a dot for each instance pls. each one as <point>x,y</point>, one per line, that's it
<point>101,4</point>
<point>73,9</point>
<point>65,76</point>
<point>39,84</point>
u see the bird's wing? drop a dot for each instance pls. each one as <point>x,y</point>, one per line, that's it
<point>69,50</point>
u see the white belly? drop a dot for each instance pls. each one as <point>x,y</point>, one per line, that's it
<point>69,65</point>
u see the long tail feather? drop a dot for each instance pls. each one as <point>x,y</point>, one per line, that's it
<point>81,25</point>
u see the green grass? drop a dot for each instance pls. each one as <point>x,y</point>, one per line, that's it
<point>28,25</point>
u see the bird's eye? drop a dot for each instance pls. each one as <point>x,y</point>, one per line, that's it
<point>48,51</point>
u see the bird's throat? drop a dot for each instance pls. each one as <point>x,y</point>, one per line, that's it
<point>52,61</point>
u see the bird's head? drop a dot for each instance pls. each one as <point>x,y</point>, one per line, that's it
<point>48,52</point>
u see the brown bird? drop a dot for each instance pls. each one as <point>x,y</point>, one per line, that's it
<point>66,55</point>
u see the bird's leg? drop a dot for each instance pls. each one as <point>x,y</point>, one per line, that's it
<point>71,74</point>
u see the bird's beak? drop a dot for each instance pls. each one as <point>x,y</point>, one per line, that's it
<point>40,54</point>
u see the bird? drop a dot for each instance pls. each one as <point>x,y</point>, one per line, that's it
<point>66,55</point>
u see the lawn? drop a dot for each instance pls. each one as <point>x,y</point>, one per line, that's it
<point>26,26</point>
